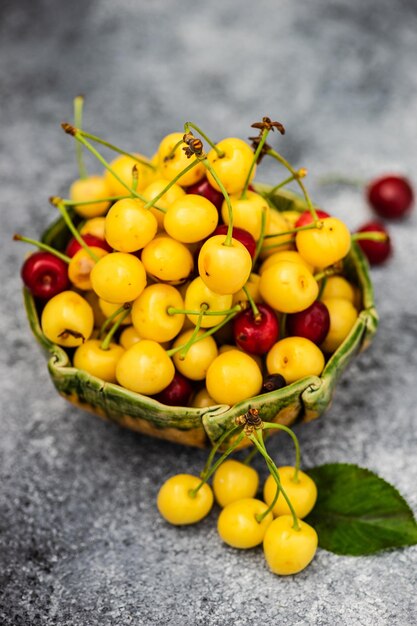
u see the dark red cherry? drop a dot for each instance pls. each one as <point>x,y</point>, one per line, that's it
<point>256,336</point>
<point>313,323</point>
<point>91,240</point>
<point>177,393</point>
<point>272,382</point>
<point>203,188</point>
<point>375,251</point>
<point>45,275</point>
<point>241,235</point>
<point>306,217</point>
<point>390,196</point>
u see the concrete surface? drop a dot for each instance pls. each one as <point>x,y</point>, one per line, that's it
<point>81,542</point>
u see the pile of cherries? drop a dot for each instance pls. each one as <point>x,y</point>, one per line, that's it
<point>181,282</point>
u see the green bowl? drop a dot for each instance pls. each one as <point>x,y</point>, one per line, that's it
<point>303,400</point>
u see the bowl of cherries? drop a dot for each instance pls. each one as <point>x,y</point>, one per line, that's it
<point>174,294</point>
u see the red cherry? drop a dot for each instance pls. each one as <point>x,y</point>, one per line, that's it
<point>306,217</point>
<point>376,251</point>
<point>203,188</point>
<point>313,323</point>
<point>177,393</point>
<point>45,275</point>
<point>272,382</point>
<point>241,235</point>
<point>256,336</point>
<point>91,240</point>
<point>390,196</point>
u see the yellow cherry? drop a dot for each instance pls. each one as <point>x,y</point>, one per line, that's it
<point>94,226</point>
<point>167,260</point>
<point>198,358</point>
<point>118,277</point>
<point>237,524</point>
<point>277,224</point>
<point>287,550</point>
<point>81,265</point>
<point>338,287</point>
<point>285,255</point>
<point>343,316</point>
<point>129,227</point>
<point>177,504</point>
<point>67,319</point>
<point>199,294</point>
<point>232,377</point>
<point>170,164</point>
<point>191,218</point>
<point>233,167</point>
<point>128,337</point>
<point>123,166</point>
<point>302,493</point>
<point>247,212</point>
<point>154,189</point>
<point>91,358</point>
<point>224,269</point>
<point>252,286</point>
<point>108,308</point>
<point>288,287</point>
<point>234,480</point>
<point>145,368</point>
<point>295,358</point>
<point>326,245</point>
<point>90,188</point>
<point>150,313</point>
<point>202,399</point>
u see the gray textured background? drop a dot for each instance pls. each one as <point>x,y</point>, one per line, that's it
<point>81,542</point>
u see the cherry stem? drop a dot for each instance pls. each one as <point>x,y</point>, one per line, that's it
<point>79,137</point>
<point>274,426</point>
<point>233,446</point>
<point>95,201</point>
<point>286,164</point>
<point>371,235</point>
<point>189,125</point>
<point>112,317</point>
<point>68,221</point>
<point>229,234</point>
<point>144,162</point>
<point>329,271</point>
<point>183,353</point>
<point>78,122</point>
<point>260,241</point>
<point>248,459</point>
<point>217,445</point>
<point>259,443</point>
<point>207,333</point>
<point>173,311</point>
<point>300,174</point>
<point>172,182</point>
<point>258,151</point>
<point>42,246</point>
<point>256,314</point>
<point>106,341</point>
<point>295,230</point>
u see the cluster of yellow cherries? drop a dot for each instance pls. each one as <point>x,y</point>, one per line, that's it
<point>174,287</point>
<point>289,543</point>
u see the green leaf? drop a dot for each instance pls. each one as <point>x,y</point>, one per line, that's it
<point>358,513</point>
